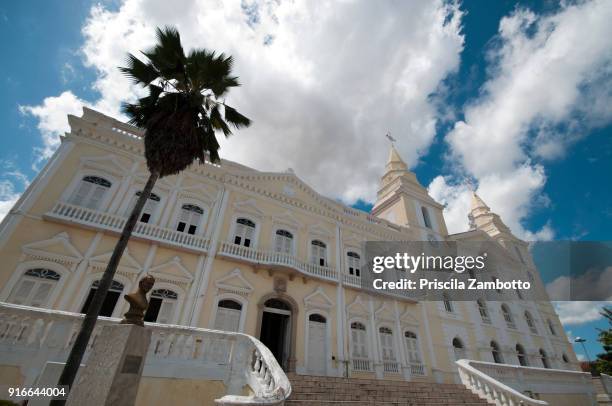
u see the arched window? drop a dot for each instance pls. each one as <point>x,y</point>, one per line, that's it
<point>483,310</point>
<point>318,252</point>
<point>353,262</point>
<point>277,304</point>
<point>189,218</point>
<point>412,347</point>
<point>228,315</point>
<point>565,358</point>
<point>507,316</point>
<point>34,287</point>
<point>245,230</point>
<point>112,296</point>
<point>496,352</point>
<point>551,327</point>
<point>283,242</point>
<point>458,348</point>
<point>359,341</point>
<point>161,306</point>
<point>519,294</point>
<point>149,208</point>
<point>544,358</point>
<point>522,357</point>
<point>448,305</point>
<point>90,192</point>
<point>386,344</point>
<point>426,219</point>
<point>530,322</point>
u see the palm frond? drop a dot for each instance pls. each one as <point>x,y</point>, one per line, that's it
<point>236,119</point>
<point>139,71</point>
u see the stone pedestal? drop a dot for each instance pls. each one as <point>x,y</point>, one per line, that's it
<point>113,370</point>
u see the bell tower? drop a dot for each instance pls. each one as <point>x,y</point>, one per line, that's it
<point>402,200</point>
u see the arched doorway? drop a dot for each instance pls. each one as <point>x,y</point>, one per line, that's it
<point>317,344</point>
<point>276,330</point>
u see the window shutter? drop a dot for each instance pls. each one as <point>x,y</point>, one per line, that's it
<point>81,193</point>
<point>166,311</point>
<point>41,294</point>
<point>227,319</point>
<point>96,197</point>
<point>21,291</point>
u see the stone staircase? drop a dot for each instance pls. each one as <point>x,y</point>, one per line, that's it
<point>329,391</point>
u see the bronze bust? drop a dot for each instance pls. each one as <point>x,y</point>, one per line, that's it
<point>138,302</point>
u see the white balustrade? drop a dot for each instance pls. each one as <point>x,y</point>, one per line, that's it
<point>29,337</point>
<point>112,222</point>
<point>506,385</point>
<point>276,258</point>
<point>417,369</point>
<point>361,364</point>
<point>391,366</point>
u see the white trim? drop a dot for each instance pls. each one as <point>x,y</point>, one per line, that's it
<point>229,296</point>
<point>364,321</point>
<point>82,173</point>
<point>24,266</point>
<point>285,227</point>
<point>86,287</point>
<point>324,313</point>
<point>129,195</point>
<point>245,215</point>
<point>184,277</point>
<point>173,220</point>
<point>180,300</point>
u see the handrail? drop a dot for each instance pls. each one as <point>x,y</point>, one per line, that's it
<point>485,386</point>
<point>240,357</point>
<point>483,379</point>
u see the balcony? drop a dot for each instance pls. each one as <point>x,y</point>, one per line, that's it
<point>97,220</point>
<point>361,365</point>
<point>276,259</point>
<point>417,369</point>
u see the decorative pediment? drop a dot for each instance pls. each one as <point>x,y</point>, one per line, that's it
<point>56,249</point>
<point>384,313</point>
<point>248,206</point>
<point>287,218</point>
<point>108,163</point>
<point>234,282</point>
<point>318,300</point>
<point>199,192</point>
<point>127,263</point>
<point>172,271</point>
<point>352,240</point>
<point>358,308</point>
<point>408,318</point>
<point>319,230</point>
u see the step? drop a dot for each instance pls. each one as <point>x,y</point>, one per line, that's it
<point>337,391</point>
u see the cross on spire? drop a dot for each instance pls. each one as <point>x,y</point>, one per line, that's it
<point>390,138</point>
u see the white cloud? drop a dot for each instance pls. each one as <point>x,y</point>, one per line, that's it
<point>594,284</point>
<point>8,197</point>
<point>52,121</point>
<point>11,179</point>
<point>575,313</point>
<point>333,78</point>
<point>549,83</point>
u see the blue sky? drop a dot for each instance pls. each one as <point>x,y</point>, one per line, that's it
<point>546,172</point>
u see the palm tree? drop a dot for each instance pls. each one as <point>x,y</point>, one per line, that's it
<point>181,116</point>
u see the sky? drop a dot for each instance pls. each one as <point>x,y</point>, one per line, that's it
<point>513,98</point>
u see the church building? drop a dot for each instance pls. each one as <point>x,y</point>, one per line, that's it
<point>262,253</point>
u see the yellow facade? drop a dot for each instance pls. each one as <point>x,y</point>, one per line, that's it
<point>206,279</point>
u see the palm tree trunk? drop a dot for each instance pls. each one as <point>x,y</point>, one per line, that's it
<point>80,344</point>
